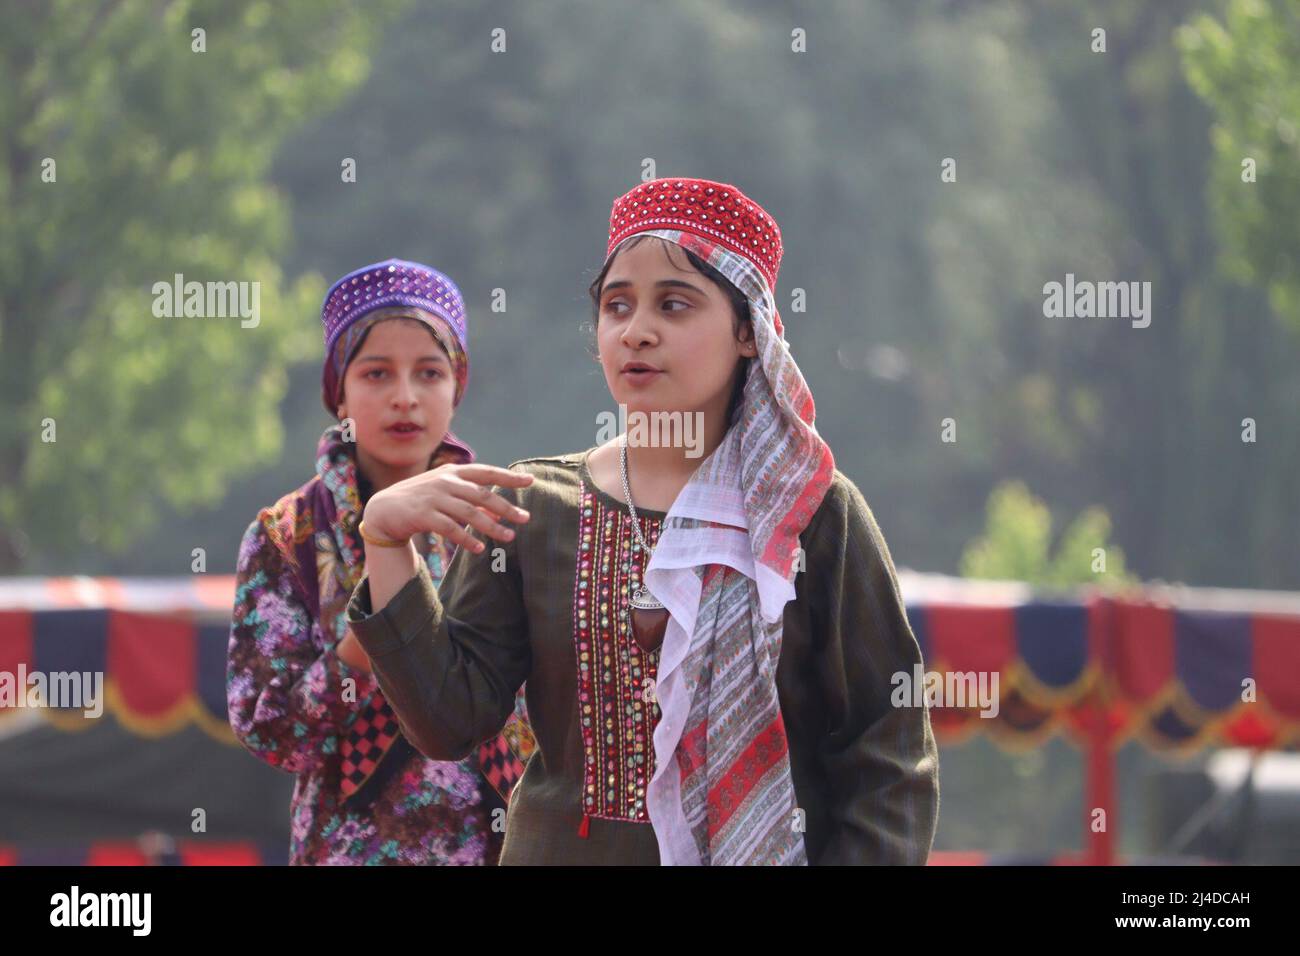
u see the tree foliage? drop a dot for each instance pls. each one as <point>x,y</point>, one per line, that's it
<point>1016,544</point>
<point>160,155</point>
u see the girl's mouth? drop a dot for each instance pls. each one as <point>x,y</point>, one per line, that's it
<point>639,374</point>
<point>404,431</point>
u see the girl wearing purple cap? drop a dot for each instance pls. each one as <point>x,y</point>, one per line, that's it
<point>300,693</point>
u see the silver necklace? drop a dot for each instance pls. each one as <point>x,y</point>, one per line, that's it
<point>642,599</point>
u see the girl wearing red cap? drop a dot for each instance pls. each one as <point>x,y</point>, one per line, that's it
<point>300,694</point>
<point>708,628</point>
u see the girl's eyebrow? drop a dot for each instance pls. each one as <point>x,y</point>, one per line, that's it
<point>662,283</point>
<point>431,357</point>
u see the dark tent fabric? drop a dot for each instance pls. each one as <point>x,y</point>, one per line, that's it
<point>67,790</point>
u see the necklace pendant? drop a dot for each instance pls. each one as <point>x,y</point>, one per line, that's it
<point>643,600</point>
<point>648,625</point>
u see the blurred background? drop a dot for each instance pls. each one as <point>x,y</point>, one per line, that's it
<point>932,164</point>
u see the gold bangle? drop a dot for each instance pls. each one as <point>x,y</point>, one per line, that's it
<point>380,542</point>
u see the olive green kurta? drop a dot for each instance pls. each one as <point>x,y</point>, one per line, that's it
<point>865,773</point>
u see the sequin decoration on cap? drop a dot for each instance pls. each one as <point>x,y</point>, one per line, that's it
<point>717,211</point>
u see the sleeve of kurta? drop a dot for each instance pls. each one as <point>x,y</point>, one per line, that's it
<point>451,659</point>
<point>880,761</point>
<point>288,694</point>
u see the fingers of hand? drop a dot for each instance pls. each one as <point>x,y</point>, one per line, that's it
<point>483,498</point>
<point>482,521</point>
<point>449,530</point>
<point>492,475</point>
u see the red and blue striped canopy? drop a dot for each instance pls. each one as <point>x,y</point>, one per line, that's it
<point>1170,669</point>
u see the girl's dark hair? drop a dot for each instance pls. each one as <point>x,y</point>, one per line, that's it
<point>739,303</point>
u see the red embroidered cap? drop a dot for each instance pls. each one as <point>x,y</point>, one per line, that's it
<point>718,212</point>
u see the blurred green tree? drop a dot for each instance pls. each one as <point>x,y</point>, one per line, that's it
<point>924,297</point>
<point>1016,544</point>
<point>1247,68</point>
<point>135,148</point>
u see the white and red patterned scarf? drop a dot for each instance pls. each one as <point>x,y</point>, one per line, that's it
<point>724,567</point>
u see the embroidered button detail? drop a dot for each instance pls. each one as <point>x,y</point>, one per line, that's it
<point>614,674</point>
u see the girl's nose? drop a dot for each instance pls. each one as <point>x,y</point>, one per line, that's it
<point>639,330</point>
<point>404,396</point>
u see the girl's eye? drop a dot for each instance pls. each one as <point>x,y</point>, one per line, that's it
<point>433,373</point>
<point>614,305</point>
<point>374,372</point>
<point>683,304</point>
